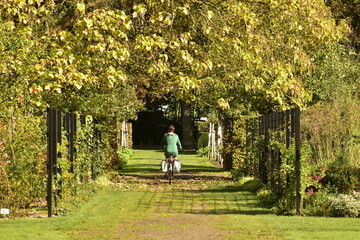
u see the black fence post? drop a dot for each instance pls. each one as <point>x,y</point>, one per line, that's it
<point>57,170</point>
<point>54,136</point>
<point>70,128</point>
<point>51,155</point>
<point>297,160</point>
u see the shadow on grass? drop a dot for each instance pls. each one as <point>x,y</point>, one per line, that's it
<point>196,169</point>
<point>228,211</point>
<point>143,169</point>
<point>226,189</point>
<point>140,169</point>
<point>218,201</point>
<point>178,178</point>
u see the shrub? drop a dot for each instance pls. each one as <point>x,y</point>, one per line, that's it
<point>333,132</point>
<point>203,151</point>
<point>22,162</point>
<point>316,203</point>
<point>342,179</point>
<point>125,156</point>
<point>344,205</point>
<point>266,197</point>
<point>250,184</point>
<point>202,140</point>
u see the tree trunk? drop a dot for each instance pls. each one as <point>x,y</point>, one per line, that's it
<point>114,143</point>
<point>227,147</point>
<point>186,123</point>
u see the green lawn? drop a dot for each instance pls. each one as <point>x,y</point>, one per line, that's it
<point>201,204</point>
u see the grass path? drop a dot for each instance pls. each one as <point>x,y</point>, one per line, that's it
<point>201,204</point>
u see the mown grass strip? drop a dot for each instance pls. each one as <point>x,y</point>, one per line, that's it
<point>194,209</point>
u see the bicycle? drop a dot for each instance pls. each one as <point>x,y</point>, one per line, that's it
<point>170,168</point>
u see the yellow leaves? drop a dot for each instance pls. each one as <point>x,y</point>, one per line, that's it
<point>8,26</point>
<point>274,4</point>
<point>65,37</point>
<point>210,14</point>
<point>160,66</point>
<point>223,104</point>
<point>100,47</point>
<point>208,30</point>
<point>225,30</point>
<point>89,23</point>
<point>185,9</point>
<point>101,23</point>
<point>185,82</point>
<point>120,55</point>
<point>139,10</point>
<point>164,18</point>
<point>186,56</point>
<point>80,8</point>
<point>149,43</point>
<point>255,84</point>
<point>185,38</point>
<point>53,87</point>
<point>113,76</point>
<point>174,45</point>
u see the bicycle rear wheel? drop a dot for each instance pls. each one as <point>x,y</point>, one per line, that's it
<point>170,172</point>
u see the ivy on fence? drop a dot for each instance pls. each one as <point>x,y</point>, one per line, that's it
<point>273,153</point>
<point>73,155</point>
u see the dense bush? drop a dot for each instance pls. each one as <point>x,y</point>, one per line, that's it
<point>125,156</point>
<point>266,197</point>
<point>234,152</point>
<point>23,161</point>
<point>344,205</point>
<point>326,203</point>
<point>331,132</point>
<point>203,152</point>
<point>343,179</point>
<point>250,184</point>
<point>202,140</point>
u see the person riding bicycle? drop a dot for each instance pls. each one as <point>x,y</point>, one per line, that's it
<point>171,143</point>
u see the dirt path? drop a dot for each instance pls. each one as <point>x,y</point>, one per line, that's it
<point>195,206</point>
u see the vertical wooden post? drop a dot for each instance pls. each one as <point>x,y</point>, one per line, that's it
<point>219,142</point>
<point>297,160</point>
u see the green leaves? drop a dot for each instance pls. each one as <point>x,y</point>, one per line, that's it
<point>256,53</point>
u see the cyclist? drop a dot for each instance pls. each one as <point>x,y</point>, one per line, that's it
<point>171,142</point>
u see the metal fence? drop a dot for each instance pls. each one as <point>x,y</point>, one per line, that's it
<point>265,137</point>
<point>59,125</point>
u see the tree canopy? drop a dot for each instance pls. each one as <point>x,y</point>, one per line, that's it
<point>107,57</point>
